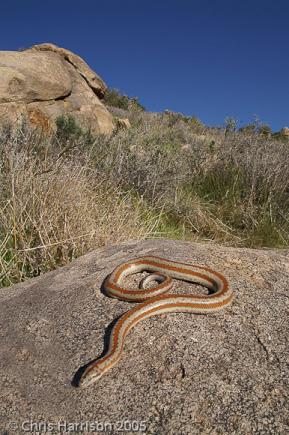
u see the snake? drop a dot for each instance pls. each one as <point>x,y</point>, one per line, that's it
<point>152,301</point>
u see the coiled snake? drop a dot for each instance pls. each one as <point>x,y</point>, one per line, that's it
<point>153,302</point>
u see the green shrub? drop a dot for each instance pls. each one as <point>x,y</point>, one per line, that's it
<point>250,129</point>
<point>114,98</point>
<point>67,128</point>
<point>257,128</point>
<point>280,136</point>
<point>265,130</point>
<point>222,182</point>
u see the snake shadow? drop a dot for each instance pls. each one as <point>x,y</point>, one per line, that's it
<point>107,333</point>
<point>106,338</point>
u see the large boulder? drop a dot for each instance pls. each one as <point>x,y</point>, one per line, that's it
<point>220,373</point>
<point>46,81</point>
<point>285,131</point>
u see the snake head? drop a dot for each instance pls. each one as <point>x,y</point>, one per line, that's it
<point>86,376</point>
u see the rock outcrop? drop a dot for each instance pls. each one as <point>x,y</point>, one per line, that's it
<point>46,81</point>
<point>181,373</point>
<point>123,123</point>
<point>285,131</point>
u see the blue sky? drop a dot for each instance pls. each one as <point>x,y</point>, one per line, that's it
<point>210,59</point>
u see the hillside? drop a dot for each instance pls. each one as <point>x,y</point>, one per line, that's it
<point>71,189</point>
<point>166,176</point>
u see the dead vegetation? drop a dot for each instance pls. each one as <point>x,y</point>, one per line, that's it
<point>167,176</point>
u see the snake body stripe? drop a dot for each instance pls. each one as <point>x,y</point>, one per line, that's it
<point>152,302</point>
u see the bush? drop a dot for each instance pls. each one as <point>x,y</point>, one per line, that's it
<point>250,129</point>
<point>67,128</point>
<point>265,130</point>
<point>114,98</point>
<point>280,136</point>
<point>230,124</point>
<point>262,129</point>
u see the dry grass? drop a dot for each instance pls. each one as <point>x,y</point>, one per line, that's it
<point>54,209</point>
<point>230,187</point>
<point>167,176</point>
